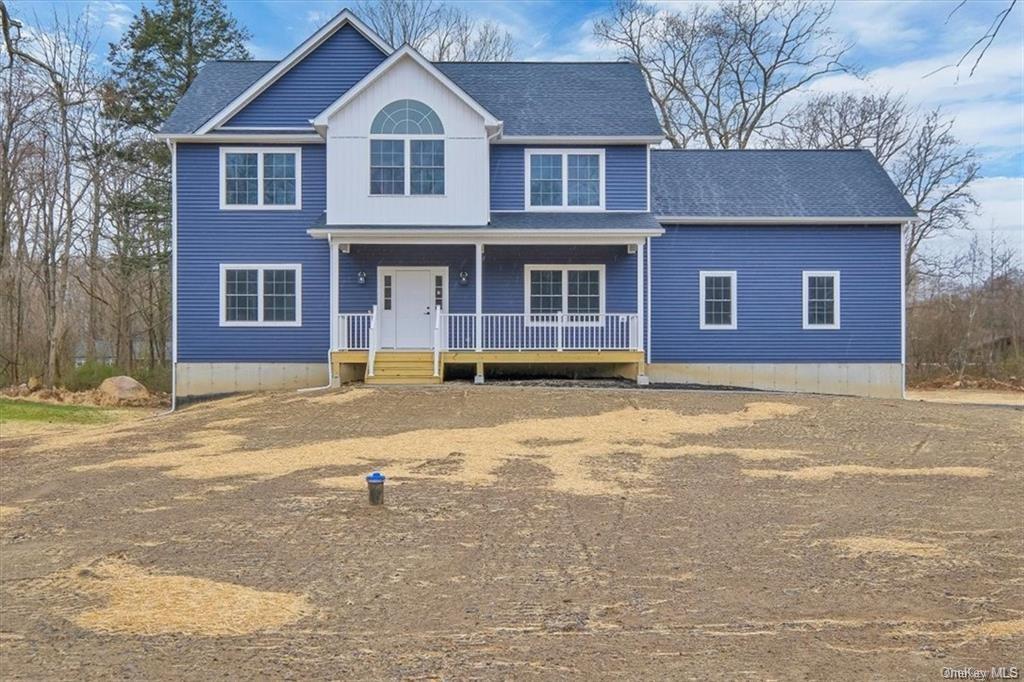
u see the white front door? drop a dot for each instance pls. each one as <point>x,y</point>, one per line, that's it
<point>407,297</point>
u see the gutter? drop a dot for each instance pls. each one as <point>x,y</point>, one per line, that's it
<point>782,220</point>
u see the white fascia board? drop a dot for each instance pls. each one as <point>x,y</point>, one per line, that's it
<point>570,139</point>
<point>301,138</point>
<point>293,58</point>
<point>782,220</point>
<point>476,235</point>
<point>320,122</point>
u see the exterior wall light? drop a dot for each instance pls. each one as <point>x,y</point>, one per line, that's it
<point>463,278</point>
<point>361,277</point>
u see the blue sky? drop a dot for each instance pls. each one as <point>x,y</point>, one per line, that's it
<point>896,44</point>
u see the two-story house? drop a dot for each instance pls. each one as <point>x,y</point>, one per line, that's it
<point>355,211</point>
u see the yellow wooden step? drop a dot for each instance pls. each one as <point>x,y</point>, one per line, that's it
<point>409,381</point>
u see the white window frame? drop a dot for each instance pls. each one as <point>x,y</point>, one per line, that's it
<point>527,269</point>
<point>260,322</point>
<point>807,274</point>
<point>407,161</point>
<point>731,274</point>
<point>565,153</point>
<point>259,152</point>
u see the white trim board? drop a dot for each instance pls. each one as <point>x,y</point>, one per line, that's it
<point>781,220</point>
<point>476,235</point>
<point>581,139</point>
<point>294,57</point>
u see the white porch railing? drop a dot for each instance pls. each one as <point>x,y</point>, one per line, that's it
<point>499,331</point>
<point>556,331</point>
<point>374,341</point>
<point>353,331</point>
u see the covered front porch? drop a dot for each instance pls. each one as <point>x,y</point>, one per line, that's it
<point>405,307</point>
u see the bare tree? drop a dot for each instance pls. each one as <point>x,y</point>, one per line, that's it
<point>980,46</point>
<point>60,59</point>
<point>929,165</point>
<point>935,174</point>
<point>441,32</point>
<point>720,74</point>
<point>879,122</point>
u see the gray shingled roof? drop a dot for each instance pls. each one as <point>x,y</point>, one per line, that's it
<point>773,183</point>
<point>537,99</point>
<point>217,84</point>
<point>559,98</point>
<point>531,221</point>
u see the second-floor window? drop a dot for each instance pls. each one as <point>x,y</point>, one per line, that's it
<point>406,150</point>
<point>564,179</point>
<point>260,178</point>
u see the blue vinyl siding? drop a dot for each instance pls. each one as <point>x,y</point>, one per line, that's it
<point>310,86</point>
<point>359,298</point>
<point>769,262</point>
<point>208,236</point>
<point>625,177</point>
<point>503,273</point>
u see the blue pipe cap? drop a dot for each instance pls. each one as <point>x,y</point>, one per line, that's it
<point>375,477</point>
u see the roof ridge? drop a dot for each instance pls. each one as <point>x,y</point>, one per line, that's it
<point>545,62</point>
<point>245,61</point>
<point>802,149</point>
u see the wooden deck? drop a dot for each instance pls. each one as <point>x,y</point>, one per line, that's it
<point>351,365</point>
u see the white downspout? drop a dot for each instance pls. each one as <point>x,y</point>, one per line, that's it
<point>333,277</point>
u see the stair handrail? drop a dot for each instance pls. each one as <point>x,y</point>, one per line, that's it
<point>371,351</point>
<point>437,340</point>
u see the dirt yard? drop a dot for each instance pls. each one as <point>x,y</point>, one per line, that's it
<point>533,532</point>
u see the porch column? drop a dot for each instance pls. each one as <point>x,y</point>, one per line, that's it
<point>333,279</point>
<point>641,377</point>
<point>478,322</point>
<point>334,292</point>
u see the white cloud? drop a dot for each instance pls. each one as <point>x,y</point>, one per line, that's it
<point>1001,216</point>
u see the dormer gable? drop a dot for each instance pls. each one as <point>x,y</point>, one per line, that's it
<point>407,141</point>
<point>327,64</point>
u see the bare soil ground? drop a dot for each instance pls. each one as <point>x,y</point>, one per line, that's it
<point>529,532</point>
<point>967,396</point>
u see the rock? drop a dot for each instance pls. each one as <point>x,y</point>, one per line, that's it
<point>34,384</point>
<point>123,389</point>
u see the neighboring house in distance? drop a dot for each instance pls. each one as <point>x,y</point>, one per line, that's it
<point>357,211</point>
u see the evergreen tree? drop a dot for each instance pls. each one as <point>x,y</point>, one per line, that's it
<point>161,53</point>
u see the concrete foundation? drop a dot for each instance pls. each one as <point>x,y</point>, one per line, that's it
<point>870,380</point>
<point>210,378</point>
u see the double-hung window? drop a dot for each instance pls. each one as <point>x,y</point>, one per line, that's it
<point>260,295</point>
<point>406,151</point>
<point>821,299</point>
<point>718,299</point>
<point>576,290</point>
<point>260,178</point>
<point>564,179</point>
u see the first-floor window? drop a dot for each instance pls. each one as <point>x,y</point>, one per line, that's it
<point>577,290</point>
<point>718,299</point>
<point>821,299</point>
<point>258,295</point>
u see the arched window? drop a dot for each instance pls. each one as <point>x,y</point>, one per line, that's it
<point>406,129</point>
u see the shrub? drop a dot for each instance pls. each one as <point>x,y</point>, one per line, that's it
<point>90,375</point>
